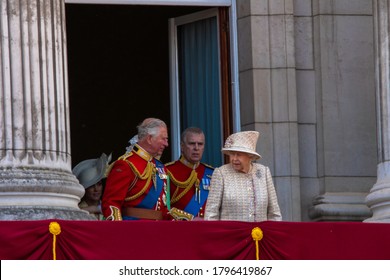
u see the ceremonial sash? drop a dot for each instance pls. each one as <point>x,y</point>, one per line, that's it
<point>151,198</point>
<point>194,205</point>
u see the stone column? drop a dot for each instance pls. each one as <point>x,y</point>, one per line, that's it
<point>36,181</point>
<point>379,197</point>
<point>268,96</point>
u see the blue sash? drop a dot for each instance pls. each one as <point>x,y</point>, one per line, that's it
<point>194,205</point>
<point>154,192</point>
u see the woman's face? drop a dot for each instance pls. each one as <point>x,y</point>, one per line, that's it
<point>94,193</point>
<point>241,162</point>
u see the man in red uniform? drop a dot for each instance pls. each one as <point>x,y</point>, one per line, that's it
<point>190,178</point>
<point>136,184</point>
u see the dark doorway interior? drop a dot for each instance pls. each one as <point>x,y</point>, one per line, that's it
<point>118,71</point>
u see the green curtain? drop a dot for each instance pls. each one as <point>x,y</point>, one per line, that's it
<point>199,80</point>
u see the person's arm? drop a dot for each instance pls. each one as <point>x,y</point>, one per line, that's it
<point>117,184</point>
<point>273,211</point>
<point>214,198</point>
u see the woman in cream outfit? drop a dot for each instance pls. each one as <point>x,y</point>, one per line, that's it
<point>242,190</point>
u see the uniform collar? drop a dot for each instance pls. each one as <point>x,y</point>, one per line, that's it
<point>189,164</point>
<point>142,153</point>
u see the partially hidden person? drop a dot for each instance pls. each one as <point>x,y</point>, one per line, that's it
<point>189,177</point>
<point>91,174</point>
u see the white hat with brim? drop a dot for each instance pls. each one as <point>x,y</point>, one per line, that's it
<point>91,171</point>
<point>244,141</point>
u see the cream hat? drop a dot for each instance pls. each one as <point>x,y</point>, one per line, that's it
<point>91,171</point>
<point>244,141</point>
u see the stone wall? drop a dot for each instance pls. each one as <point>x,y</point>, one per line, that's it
<point>307,83</point>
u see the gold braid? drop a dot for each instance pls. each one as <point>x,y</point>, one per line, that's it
<point>187,184</point>
<point>149,172</point>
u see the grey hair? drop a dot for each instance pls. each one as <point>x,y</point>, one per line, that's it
<point>150,126</point>
<point>192,129</point>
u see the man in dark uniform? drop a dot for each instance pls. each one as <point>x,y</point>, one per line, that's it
<point>136,186</point>
<point>189,177</point>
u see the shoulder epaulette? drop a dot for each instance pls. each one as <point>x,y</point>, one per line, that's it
<point>125,156</point>
<point>122,157</point>
<point>209,166</point>
<point>170,163</point>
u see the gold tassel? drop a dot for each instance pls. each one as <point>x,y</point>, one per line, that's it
<point>257,235</point>
<point>54,229</point>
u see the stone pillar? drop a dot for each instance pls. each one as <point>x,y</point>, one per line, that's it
<point>379,197</point>
<point>36,181</point>
<point>268,96</point>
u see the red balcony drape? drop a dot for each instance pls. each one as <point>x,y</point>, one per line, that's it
<point>195,240</point>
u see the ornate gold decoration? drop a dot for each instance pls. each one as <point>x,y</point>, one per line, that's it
<point>186,185</point>
<point>180,215</point>
<point>148,174</point>
<point>115,214</point>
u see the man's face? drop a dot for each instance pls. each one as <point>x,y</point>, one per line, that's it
<point>193,147</point>
<point>159,142</point>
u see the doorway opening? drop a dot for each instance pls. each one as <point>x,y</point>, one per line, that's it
<point>118,72</point>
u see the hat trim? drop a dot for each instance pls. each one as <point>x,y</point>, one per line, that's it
<point>241,149</point>
<point>91,183</point>
<point>98,163</point>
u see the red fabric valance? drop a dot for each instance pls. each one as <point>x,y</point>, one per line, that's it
<point>195,240</point>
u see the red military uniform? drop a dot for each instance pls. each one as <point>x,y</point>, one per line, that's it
<point>136,188</point>
<point>189,185</point>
